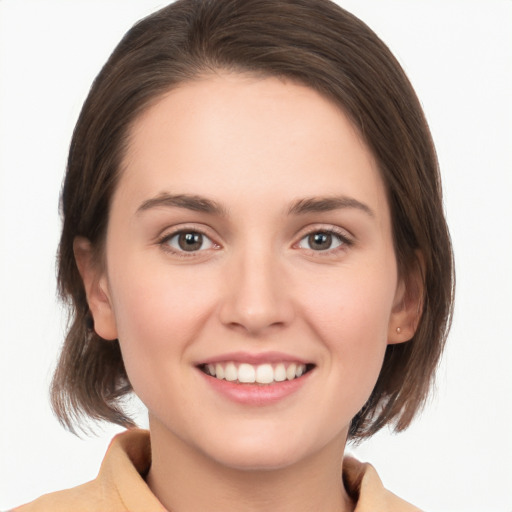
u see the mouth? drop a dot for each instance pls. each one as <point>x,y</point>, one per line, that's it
<point>264,374</point>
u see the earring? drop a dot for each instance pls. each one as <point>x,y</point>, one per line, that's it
<point>398,330</point>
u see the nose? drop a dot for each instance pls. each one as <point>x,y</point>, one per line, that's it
<point>256,297</point>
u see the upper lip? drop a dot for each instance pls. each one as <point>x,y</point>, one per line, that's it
<point>253,358</point>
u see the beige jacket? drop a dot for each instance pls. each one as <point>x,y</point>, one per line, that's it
<point>120,487</point>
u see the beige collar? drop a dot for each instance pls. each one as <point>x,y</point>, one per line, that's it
<point>129,456</point>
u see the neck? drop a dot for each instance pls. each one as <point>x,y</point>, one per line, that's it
<point>186,480</point>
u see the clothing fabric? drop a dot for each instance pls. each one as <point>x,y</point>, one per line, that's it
<point>120,485</point>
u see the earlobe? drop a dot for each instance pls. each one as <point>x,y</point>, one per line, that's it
<point>96,289</point>
<point>408,305</point>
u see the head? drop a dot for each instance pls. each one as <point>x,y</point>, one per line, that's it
<point>307,43</point>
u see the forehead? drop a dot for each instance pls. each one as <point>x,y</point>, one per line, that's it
<point>248,134</point>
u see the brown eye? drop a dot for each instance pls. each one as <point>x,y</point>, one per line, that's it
<point>321,241</point>
<point>189,241</point>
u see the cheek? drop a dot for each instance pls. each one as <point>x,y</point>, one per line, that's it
<point>355,302</point>
<point>159,315</point>
<point>158,312</point>
<point>351,316</point>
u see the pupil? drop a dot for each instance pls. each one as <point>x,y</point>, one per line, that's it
<point>190,241</point>
<point>320,241</point>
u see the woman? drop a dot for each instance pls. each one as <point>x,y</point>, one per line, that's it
<point>254,243</point>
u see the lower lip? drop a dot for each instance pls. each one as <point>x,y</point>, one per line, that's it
<point>256,394</point>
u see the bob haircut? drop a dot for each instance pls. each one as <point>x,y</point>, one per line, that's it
<point>310,42</point>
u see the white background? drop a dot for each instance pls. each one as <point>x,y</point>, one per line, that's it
<point>458,54</point>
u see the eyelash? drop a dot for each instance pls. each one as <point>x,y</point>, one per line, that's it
<point>341,236</point>
<point>344,241</point>
<point>164,240</point>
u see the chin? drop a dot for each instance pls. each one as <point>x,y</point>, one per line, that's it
<point>252,453</point>
<point>258,460</point>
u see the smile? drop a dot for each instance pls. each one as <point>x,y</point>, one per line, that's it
<point>245,373</point>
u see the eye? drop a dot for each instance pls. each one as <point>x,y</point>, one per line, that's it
<point>322,241</point>
<point>188,241</point>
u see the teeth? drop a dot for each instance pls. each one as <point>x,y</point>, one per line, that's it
<point>219,371</point>
<point>261,374</point>
<point>230,372</point>
<point>246,373</point>
<point>280,373</point>
<point>265,374</point>
<point>290,371</point>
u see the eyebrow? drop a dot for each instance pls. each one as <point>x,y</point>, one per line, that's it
<point>301,207</point>
<point>326,204</point>
<point>187,201</point>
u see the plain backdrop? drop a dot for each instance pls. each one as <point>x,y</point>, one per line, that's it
<point>458,54</point>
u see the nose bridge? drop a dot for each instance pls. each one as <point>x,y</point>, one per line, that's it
<point>256,295</point>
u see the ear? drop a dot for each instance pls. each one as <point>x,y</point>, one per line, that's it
<point>408,303</point>
<point>96,289</point>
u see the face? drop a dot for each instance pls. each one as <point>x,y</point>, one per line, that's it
<point>249,273</point>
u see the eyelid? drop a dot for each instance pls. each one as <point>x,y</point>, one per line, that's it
<point>347,240</point>
<point>169,233</point>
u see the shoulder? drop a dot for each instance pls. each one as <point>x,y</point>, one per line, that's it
<point>84,498</point>
<point>119,487</point>
<point>366,489</point>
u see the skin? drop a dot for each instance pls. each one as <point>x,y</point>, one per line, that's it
<point>258,148</point>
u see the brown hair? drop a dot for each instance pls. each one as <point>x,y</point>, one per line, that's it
<point>313,42</point>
